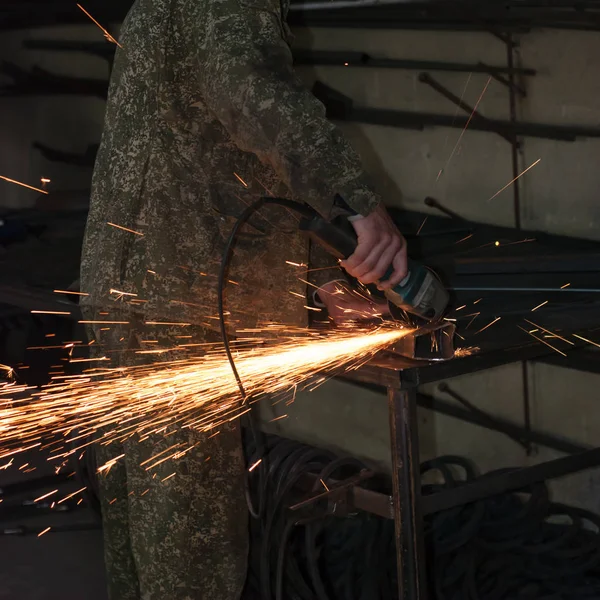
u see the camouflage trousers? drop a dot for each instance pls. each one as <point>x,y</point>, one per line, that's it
<point>177,531</point>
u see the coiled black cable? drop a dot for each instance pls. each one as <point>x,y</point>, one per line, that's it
<point>517,545</point>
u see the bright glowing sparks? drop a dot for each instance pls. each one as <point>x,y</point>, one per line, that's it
<point>586,340</point>
<point>201,392</point>
<point>240,180</point>
<point>29,187</point>
<point>488,325</point>
<point>107,35</point>
<point>462,133</point>
<point>513,180</point>
<point>124,228</point>
<point>539,305</point>
<point>70,292</point>
<point>539,339</point>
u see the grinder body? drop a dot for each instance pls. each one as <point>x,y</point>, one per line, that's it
<point>420,293</point>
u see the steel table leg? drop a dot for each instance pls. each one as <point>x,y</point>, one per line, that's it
<point>407,493</point>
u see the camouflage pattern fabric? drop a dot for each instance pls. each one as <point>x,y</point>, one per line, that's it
<point>204,116</point>
<point>177,531</point>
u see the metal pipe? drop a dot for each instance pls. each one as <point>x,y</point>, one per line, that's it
<point>498,483</point>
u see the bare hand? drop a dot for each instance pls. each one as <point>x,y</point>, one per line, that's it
<point>380,245</point>
<point>344,304</point>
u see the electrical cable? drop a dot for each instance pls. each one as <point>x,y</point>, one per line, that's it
<point>513,545</point>
<point>255,510</point>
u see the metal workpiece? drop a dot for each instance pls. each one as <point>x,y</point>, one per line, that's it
<point>426,346</point>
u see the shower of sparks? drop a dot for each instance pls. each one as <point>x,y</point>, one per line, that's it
<point>539,339</point>
<point>586,340</point>
<point>124,228</point>
<point>462,133</point>
<point>30,187</point>
<point>114,404</point>
<point>517,177</point>
<point>539,305</point>
<point>552,333</point>
<point>107,35</point>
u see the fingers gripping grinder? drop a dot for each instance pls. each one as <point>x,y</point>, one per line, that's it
<point>420,293</point>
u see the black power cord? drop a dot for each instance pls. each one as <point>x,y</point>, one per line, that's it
<point>516,545</point>
<point>305,211</point>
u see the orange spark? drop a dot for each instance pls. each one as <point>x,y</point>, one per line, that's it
<point>50,312</point>
<point>107,35</point>
<point>166,323</point>
<point>124,228</point>
<point>539,339</point>
<point>517,177</point>
<point>121,293</point>
<point>70,292</point>
<point>562,287</point>
<point>252,467</point>
<point>465,128</point>
<point>294,264</point>
<point>539,305</point>
<point>586,340</point>
<point>30,187</point>
<point>45,495</point>
<point>168,477</point>
<point>488,325</point>
<point>104,322</point>
<point>550,332</point>
<point>240,180</point>
<point>41,533</point>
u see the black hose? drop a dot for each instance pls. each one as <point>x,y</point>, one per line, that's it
<point>516,545</point>
<point>255,510</point>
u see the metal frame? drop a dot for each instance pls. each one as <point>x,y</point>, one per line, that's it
<point>406,506</point>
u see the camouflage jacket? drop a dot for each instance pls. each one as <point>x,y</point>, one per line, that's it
<point>205,115</point>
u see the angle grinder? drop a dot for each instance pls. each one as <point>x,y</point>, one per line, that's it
<point>420,293</point>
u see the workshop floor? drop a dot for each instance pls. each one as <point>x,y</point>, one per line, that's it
<point>560,194</point>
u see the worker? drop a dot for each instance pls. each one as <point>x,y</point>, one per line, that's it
<point>204,116</point>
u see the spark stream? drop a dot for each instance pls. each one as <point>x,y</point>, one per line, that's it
<point>107,405</point>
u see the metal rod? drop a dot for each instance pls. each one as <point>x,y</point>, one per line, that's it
<point>446,93</point>
<point>500,425</point>
<point>511,480</point>
<point>407,493</point>
<point>523,289</point>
